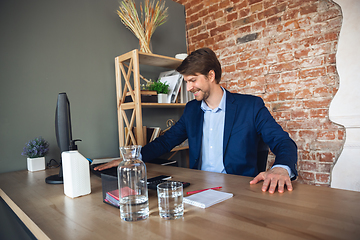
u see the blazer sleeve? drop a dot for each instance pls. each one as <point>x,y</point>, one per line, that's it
<point>163,144</point>
<point>278,140</point>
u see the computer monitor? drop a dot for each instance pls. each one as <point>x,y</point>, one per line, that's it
<point>63,133</point>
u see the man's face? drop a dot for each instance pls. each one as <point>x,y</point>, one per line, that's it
<point>199,85</point>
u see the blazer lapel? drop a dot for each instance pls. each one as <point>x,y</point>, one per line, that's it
<point>230,113</point>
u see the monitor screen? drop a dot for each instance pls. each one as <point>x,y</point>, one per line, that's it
<point>63,132</point>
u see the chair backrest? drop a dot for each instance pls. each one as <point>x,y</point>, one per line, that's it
<point>262,155</point>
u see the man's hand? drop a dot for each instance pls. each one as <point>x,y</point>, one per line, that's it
<point>113,163</point>
<point>276,176</point>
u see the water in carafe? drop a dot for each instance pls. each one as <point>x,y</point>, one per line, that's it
<point>132,180</point>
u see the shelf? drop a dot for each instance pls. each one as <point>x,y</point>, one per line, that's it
<point>128,84</point>
<point>163,105</point>
<point>152,59</point>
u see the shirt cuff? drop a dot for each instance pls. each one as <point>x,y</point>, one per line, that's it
<point>291,174</point>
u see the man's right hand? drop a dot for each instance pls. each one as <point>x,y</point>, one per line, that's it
<point>113,163</point>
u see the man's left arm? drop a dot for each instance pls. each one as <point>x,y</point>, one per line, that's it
<point>282,146</point>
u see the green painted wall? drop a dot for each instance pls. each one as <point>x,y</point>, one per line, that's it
<point>53,46</point>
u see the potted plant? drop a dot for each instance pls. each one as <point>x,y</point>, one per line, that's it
<point>35,150</point>
<point>162,89</point>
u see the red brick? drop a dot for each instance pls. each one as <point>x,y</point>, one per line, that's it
<point>199,37</point>
<point>194,9</point>
<point>272,78</point>
<point>224,4</point>
<point>193,25</point>
<point>255,63</point>
<point>291,14</point>
<point>326,135</point>
<point>323,177</point>
<point>256,7</point>
<point>302,53</point>
<point>319,113</point>
<point>253,1</point>
<point>209,42</point>
<point>243,21</point>
<point>311,62</point>
<point>324,16</point>
<point>286,95</point>
<point>308,9</point>
<point>213,8</point>
<point>314,72</point>
<point>258,26</point>
<point>297,3</point>
<point>308,176</point>
<point>315,103</point>
<point>273,20</point>
<point>211,25</point>
<point>269,3</point>
<point>288,66</point>
<point>285,57</point>
<point>304,124</point>
<point>220,29</point>
<point>272,11</point>
<point>230,68</point>
<point>231,17</point>
<point>330,59</point>
<point>203,12</point>
<point>341,134</point>
<point>282,116</point>
<point>269,97</point>
<point>299,114</point>
<point>324,167</point>
<point>241,65</point>
<point>307,165</point>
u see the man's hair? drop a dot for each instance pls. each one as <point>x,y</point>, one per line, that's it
<point>201,61</point>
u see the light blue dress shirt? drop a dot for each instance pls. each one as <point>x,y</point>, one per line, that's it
<point>212,139</point>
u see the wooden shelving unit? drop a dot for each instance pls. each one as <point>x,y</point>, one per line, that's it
<point>127,67</point>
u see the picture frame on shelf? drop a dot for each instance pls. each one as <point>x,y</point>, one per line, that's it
<point>174,79</point>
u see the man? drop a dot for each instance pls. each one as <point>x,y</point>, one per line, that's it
<point>224,129</point>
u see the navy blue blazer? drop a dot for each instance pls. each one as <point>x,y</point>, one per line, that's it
<point>247,120</point>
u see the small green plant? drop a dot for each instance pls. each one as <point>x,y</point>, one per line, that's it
<point>35,148</point>
<point>159,87</point>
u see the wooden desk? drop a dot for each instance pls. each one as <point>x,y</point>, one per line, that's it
<point>308,212</point>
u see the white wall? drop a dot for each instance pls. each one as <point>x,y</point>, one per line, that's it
<point>345,107</point>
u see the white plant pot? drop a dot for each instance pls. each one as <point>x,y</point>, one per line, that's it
<point>36,164</point>
<point>162,98</point>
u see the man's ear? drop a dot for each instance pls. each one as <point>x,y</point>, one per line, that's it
<point>211,75</point>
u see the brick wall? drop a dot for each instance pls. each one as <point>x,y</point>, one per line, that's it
<point>283,51</point>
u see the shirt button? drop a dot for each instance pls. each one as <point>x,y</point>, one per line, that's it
<point>210,146</point>
<point>210,129</point>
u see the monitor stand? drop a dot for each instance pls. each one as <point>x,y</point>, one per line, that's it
<point>55,179</point>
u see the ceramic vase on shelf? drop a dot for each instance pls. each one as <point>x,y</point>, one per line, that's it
<point>36,164</point>
<point>162,97</point>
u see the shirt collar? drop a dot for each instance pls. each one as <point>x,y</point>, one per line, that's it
<point>221,106</point>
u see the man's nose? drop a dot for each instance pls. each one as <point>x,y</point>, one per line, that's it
<point>188,86</point>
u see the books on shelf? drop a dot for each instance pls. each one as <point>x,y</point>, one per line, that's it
<point>152,133</point>
<point>207,198</point>
<point>149,134</point>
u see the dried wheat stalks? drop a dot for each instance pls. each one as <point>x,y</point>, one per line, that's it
<point>152,16</point>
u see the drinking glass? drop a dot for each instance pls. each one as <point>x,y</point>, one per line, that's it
<point>170,199</point>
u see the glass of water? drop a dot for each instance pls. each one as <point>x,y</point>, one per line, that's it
<point>170,199</point>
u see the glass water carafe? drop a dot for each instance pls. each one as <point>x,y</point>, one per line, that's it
<point>133,193</point>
